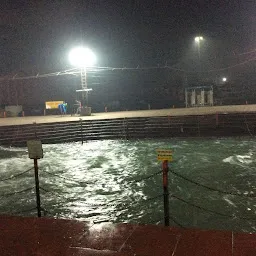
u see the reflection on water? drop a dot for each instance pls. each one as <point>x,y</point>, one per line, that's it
<point>101,180</point>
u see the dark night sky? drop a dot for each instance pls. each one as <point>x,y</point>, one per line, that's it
<point>37,35</point>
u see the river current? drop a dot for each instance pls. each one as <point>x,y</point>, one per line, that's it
<point>107,181</point>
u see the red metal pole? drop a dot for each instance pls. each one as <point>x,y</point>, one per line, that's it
<point>166,193</point>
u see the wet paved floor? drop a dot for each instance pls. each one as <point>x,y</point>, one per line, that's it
<point>47,237</point>
<point>130,114</point>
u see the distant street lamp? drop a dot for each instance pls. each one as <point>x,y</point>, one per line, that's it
<point>224,79</point>
<point>83,57</point>
<point>198,40</point>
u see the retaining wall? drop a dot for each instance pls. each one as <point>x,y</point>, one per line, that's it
<point>132,128</point>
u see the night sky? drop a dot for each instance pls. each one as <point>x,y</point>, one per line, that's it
<point>36,36</point>
<point>39,34</point>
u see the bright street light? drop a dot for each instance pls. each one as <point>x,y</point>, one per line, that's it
<point>224,79</point>
<point>198,39</point>
<point>82,57</point>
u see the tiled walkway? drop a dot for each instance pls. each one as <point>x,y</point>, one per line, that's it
<point>48,237</point>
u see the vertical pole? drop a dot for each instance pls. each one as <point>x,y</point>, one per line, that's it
<point>8,94</point>
<point>199,57</point>
<point>166,193</point>
<point>186,97</point>
<point>38,203</point>
<point>16,95</point>
<point>84,87</point>
<point>82,137</point>
<point>35,130</point>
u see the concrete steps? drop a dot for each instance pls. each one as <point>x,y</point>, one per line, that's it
<point>235,124</point>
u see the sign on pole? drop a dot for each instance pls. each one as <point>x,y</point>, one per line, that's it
<point>164,155</point>
<point>35,149</point>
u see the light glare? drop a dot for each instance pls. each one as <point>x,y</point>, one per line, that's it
<point>82,57</point>
<point>224,79</point>
<point>199,38</point>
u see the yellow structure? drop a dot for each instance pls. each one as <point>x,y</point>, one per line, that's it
<point>53,104</point>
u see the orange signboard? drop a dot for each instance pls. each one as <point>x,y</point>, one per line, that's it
<point>52,104</point>
<point>164,154</point>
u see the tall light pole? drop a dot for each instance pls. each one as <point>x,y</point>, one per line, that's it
<point>198,41</point>
<point>83,58</point>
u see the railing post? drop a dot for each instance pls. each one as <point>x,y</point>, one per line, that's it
<point>38,201</point>
<point>35,152</point>
<point>166,193</point>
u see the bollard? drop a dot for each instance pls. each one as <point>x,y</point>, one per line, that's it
<point>44,112</point>
<point>38,201</point>
<point>166,193</point>
<point>4,114</point>
<point>23,113</point>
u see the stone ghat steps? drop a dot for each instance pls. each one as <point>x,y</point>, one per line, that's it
<point>239,124</point>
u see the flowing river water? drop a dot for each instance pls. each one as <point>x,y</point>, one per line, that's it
<point>105,181</point>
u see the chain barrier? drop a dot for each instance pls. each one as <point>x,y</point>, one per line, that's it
<point>144,200</point>
<point>17,192</point>
<point>51,192</point>
<point>45,212</point>
<point>212,189</point>
<point>76,181</point>
<point>24,211</point>
<point>62,177</point>
<point>175,221</point>
<point>211,211</point>
<point>152,198</point>
<point>15,176</point>
<point>148,177</point>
